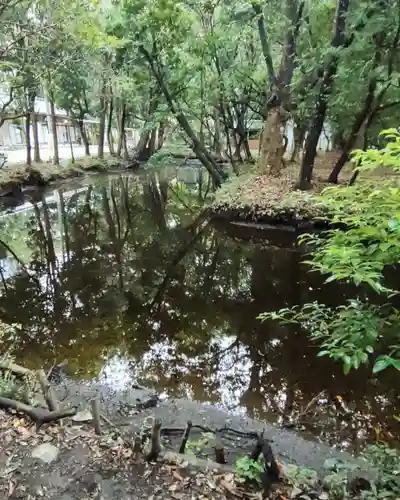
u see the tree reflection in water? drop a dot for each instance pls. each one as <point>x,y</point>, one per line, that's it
<point>129,279</point>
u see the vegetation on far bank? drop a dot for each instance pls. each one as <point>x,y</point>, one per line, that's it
<point>41,174</point>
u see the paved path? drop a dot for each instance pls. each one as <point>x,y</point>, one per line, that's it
<point>19,155</point>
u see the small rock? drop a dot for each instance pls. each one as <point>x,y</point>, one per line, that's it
<point>83,416</point>
<point>323,496</point>
<point>46,452</point>
<point>295,492</point>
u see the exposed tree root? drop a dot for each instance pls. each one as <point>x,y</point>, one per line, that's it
<point>38,415</point>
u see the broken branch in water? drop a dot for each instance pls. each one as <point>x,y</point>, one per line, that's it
<point>48,394</point>
<point>185,436</point>
<point>96,415</point>
<point>38,415</point>
<point>155,441</point>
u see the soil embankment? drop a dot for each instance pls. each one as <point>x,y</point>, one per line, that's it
<point>15,180</point>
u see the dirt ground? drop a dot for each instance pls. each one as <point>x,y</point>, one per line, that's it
<point>89,467</point>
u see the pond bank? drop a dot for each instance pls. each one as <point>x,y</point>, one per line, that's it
<point>16,179</point>
<point>69,461</point>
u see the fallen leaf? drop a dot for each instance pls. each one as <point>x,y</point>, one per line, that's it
<point>177,476</point>
<point>231,488</point>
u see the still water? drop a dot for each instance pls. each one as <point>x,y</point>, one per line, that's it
<point>128,279</point>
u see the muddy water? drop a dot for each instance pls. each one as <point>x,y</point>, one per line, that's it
<point>129,280</point>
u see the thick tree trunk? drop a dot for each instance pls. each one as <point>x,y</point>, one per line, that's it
<point>271,159</point>
<point>109,127</point>
<point>121,129</point>
<point>102,124</point>
<point>56,158</point>
<point>28,139</point>
<point>84,136</point>
<point>36,144</point>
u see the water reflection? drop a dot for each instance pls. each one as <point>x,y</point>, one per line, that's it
<point>129,280</point>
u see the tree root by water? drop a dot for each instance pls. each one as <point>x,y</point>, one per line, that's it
<point>38,415</point>
<point>14,368</point>
<point>47,390</point>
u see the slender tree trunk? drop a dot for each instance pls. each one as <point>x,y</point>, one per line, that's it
<point>109,126</point>
<point>84,136</point>
<point>161,135</point>
<point>216,144</point>
<point>28,139</point>
<point>56,158</point>
<point>126,152</point>
<point>298,139</point>
<point>360,119</point>
<point>121,121</point>
<point>196,145</point>
<point>102,124</point>
<point>36,144</point>
<point>317,122</point>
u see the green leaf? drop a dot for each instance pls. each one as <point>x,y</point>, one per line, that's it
<point>381,364</point>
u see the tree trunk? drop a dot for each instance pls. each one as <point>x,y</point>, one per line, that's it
<point>56,158</point>
<point>28,139</point>
<point>126,152</point>
<point>197,146</point>
<point>121,127</point>
<point>102,124</point>
<point>321,106</point>
<point>271,159</point>
<point>161,135</point>
<point>84,136</point>
<point>360,119</point>
<point>36,144</point>
<point>109,127</point>
<point>298,139</point>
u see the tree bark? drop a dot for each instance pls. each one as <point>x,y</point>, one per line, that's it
<point>56,158</point>
<point>298,139</point>
<point>360,119</point>
<point>84,136</point>
<point>109,126</point>
<point>102,124</point>
<point>272,143</point>
<point>28,139</point>
<point>271,159</point>
<point>121,127</point>
<point>36,144</point>
<point>321,105</point>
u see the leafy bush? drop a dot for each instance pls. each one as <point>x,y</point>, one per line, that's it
<point>387,463</point>
<point>248,470</point>
<point>359,254</point>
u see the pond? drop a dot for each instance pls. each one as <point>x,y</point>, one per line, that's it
<point>129,279</point>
